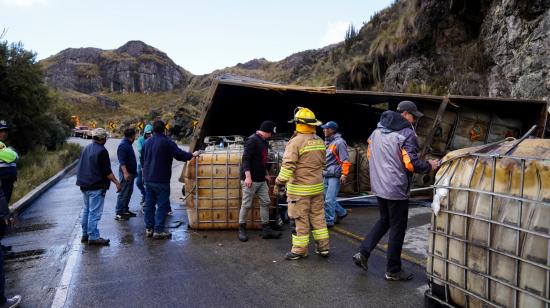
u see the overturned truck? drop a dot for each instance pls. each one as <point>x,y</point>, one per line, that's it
<point>237,105</point>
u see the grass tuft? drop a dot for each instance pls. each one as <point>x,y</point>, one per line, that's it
<point>39,165</point>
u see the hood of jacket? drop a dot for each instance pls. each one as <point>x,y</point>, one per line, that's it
<point>393,121</point>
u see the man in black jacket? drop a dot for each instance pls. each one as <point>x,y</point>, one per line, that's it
<point>253,180</point>
<point>94,176</point>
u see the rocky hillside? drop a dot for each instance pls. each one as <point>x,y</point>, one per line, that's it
<point>466,47</point>
<point>134,67</point>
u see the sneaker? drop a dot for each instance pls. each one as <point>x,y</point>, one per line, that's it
<point>130,214</point>
<point>100,242</point>
<point>399,276</point>
<point>322,253</point>
<point>149,232</point>
<point>12,302</point>
<point>339,218</point>
<point>162,235</point>
<point>121,217</point>
<point>361,261</point>
<point>294,256</point>
<point>84,239</point>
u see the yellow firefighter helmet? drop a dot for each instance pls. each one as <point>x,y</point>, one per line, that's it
<point>303,115</point>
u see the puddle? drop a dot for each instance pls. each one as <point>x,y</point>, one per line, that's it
<point>34,227</point>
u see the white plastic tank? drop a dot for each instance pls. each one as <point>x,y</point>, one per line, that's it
<point>489,242</point>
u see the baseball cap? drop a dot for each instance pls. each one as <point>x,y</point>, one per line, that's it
<point>268,127</point>
<point>332,125</point>
<point>99,133</point>
<point>4,124</point>
<point>409,107</point>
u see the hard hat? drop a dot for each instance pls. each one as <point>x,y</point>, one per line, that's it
<point>303,115</point>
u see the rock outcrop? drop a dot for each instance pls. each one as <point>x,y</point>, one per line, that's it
<point>134,67</point>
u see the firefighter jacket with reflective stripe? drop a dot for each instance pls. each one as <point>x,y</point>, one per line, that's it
<point>303,164</point>
<point>393,157</point>
<point>337,157</point>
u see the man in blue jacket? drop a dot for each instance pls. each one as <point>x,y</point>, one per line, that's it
<point>127,174</point>
<point>157,156</point>
<point>393,158</point>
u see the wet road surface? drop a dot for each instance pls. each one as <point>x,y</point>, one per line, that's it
<point>193,269</point>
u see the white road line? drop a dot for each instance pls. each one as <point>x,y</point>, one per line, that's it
<point>62,288</point>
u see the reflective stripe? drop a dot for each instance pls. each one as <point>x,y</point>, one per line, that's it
<point>407,160</point>
<point>305,190</point>
<point>285,174</point>
<point>310,148</point>
<point>5,165</point>
<point>368,149</point>
<point>300,240</point>
<point>320,234</point>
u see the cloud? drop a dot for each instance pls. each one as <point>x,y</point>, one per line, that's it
<point>336,31</point>
<point>22,3</point>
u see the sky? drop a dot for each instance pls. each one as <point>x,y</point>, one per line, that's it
<point>200,36</point>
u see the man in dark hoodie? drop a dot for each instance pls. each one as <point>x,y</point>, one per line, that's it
<point>393,158</point>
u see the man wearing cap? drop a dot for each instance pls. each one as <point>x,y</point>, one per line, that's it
<point>254,177</point>
<point>335,172</point>
<point>158,153</point>
<point>94,176</point>
<point>8,175</point>
<point>393,158</point>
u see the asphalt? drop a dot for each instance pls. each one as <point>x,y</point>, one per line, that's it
<point>193,269</point>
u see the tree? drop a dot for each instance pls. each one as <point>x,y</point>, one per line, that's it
<point>26,103</point>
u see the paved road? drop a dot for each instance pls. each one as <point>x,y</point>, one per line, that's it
<point>193,269</point>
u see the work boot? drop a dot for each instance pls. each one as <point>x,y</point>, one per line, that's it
<point>294,256</point>
<point>322,253</point>
<point>12,302</point>
<point>268,233</point>
<point>121,217</point>
<point>84,239</point>
<point>162,235</point>
<point>99,242</point>
<point>399,276</point>
<point>149,232</point>
<point>130,214</point>
<point>340,218</point>
<point>242,233</point>
<point>360,260</point>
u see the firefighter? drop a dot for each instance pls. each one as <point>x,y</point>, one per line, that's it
<point>302,172</point>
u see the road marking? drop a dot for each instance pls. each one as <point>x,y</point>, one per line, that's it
<point>62,289</point>
<point>382,247</point>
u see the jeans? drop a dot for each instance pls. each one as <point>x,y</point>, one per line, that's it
<point>261,189</point>
<point>123,199</point>
<point>139,183</point>
<point>91,212</point>
<point>159,194</point>
<point>332,207</point>
<point>393,216</point>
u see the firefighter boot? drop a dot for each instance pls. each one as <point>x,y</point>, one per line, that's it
<point>242,233</point>
<point>269,233</point>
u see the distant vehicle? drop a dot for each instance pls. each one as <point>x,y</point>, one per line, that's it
<point>87,134</point>
<point>80,131</point>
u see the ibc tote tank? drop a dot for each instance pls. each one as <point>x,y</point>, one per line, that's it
<point>489,243</point>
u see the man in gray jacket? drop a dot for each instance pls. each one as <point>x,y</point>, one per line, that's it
<point>335,173</point>
<point>393,158</point>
